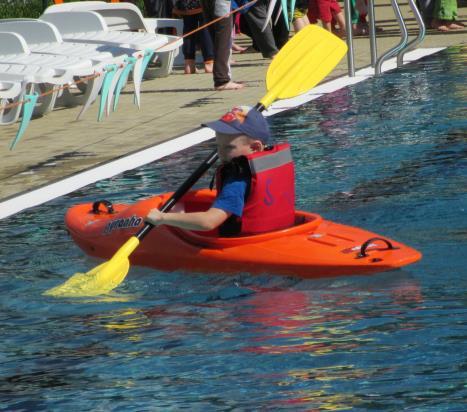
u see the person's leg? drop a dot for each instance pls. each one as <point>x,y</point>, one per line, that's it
<point>426,8</point>
<point>444,12</point>
<point>222,33</point>
<point>280,31</point>
<point>354,16</point>
<point>236,30</point>
<point>341,23</point>
<point>300,22</point>
<point>222,43</point>
<point>190,23</point>
<point>264,40</point>
<point>447,12</point>
<point>207,45</point>
<point>245,28</point>
<point>325,15</point>
<point>313,12</point>
<point>338,15</point>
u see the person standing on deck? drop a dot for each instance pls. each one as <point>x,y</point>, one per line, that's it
<point>222,34</point>
<point>193,18</point>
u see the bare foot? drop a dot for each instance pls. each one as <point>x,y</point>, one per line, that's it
<point>456,25</point>
<point>250,49</point>
<point>208,66</point>
<point>439,25</point>
<point>238,49</point>
<point>230,86</point>
<point>442,27</point>
<point>190,67</point>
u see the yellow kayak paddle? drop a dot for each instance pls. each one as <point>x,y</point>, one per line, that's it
<point>300,65</point>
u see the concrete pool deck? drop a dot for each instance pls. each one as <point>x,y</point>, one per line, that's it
<point>57,146</point>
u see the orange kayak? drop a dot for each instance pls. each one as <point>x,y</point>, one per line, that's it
<point>313,248</point>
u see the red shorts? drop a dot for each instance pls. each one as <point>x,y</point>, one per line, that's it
<point>323,10</point>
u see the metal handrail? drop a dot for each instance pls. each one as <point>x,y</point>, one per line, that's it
<point>348,29</point>
<point>403,42</point>
<point>421,34</point>
<point>372,33</point>
<point>400,49</point>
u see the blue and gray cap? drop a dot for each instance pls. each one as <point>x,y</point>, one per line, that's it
<point>244,120</point>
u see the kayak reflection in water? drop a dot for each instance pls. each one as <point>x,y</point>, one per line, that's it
<point>255,182</point>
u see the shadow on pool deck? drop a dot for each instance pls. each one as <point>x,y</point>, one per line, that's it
<point>56,145</point>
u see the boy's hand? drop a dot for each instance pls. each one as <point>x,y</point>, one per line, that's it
<point>155,217</point>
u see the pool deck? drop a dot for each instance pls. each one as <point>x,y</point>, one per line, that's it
<point>56,146</point>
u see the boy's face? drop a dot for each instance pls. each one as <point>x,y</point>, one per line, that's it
<point>230,146</point>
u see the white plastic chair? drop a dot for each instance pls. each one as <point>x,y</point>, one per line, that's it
<point>17,92</point>
<point>43,37</point>
<point>90,27</point>
<point>128,17</point>
<point>15,54</point>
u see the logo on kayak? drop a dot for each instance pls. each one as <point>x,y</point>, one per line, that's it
<point>124,223</point>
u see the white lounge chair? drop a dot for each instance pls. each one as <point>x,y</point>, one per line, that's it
<point>44,37</point>
<point>90,27</point>
<point>18,84</point>
<point>15,54</point>
<point>11,91</point>
<point>12,75</point>
<point>128,17</point>
<point>14,50</point>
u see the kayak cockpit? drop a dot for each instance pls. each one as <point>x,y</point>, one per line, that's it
<point>201,200</point>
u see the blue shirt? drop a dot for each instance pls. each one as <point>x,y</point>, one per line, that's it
<point>231,199</point>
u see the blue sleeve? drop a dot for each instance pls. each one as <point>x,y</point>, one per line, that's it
<point>231,199</point>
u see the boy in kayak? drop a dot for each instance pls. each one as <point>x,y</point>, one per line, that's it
<point>255,181</point>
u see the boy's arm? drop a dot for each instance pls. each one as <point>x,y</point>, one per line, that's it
<point>230,201</point>
<point>204,221</point>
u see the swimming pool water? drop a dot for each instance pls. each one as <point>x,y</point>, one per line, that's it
<point>388,155</point>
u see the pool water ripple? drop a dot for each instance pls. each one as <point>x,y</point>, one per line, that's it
<point>388,155</point>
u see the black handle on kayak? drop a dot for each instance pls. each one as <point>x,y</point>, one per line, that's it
<point>108,205</point>
<point>363,253</point>
<point>182,190</point>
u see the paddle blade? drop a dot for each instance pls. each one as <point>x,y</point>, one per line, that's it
<point>100,280</point>
<point>302,63</point>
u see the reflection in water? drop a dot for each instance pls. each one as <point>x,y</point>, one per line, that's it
<point>337,114</point>
<point>291,322</point>
<point>326,324</point>
<point>310,321</point>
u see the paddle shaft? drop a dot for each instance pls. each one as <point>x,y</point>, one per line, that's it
<point>187,185</point>
<point>181,191</point>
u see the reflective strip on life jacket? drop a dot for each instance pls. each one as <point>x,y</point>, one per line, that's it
<point>272,160</point>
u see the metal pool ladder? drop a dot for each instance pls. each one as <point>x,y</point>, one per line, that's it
<point>400,49</point>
